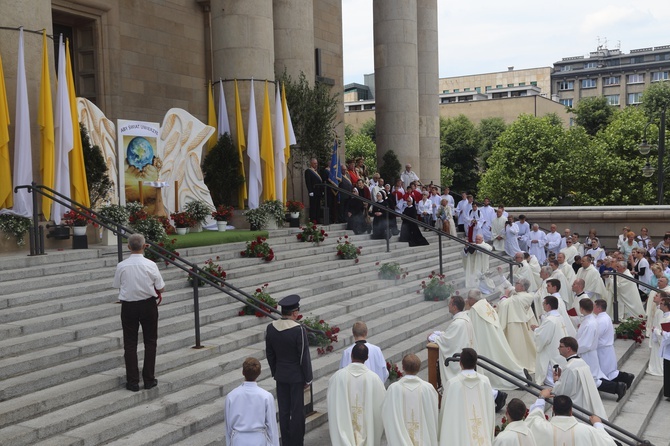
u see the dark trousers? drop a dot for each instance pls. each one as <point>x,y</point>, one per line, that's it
<point>609,386</point>
<point>314,204</point>
<point>623,377</point>
<point>666,378</point>
<point>291,402</point>
<point>134,314</point>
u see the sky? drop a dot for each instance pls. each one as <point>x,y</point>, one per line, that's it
<point>483,36</point>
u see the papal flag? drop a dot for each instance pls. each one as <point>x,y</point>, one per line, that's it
<point>45,119</point>
<point>289,134</point>
<point>6,199</point>
<point>23,160</point>
<point>211,118</point>
<point>241,147</point>
<point>279,144</point>
<point>267,152</point>
<point>253,150</point>
<point>224,125</point>
<point>78,183</point>
<point>63,135</point>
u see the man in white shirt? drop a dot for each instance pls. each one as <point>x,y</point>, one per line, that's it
<point>498,230</point>
<point>474,223</point>
<point>410,412</point>
<point>139,283</point>
<point>375,361</point>
<point>524,229</point>
<point>593,284</point>
<point>355,398</point>
<point>536,241</point>
<point>461,208</point>
<point>450,200</point>
<point>408,176</point>
<point>567,235</point>
<point>250,411</point>
<point>553,240</point>
<point>489,214</point>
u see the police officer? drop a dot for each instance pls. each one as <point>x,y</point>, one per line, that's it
<point>287,352</point>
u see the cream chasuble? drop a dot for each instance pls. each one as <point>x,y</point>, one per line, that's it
<point>458,335</point>
<point>547,339</point>
<point>525,272</point>
<point>516,317</point>
<point>628,297</point>
<point>566,431</point>
<point>515,434</point>
<point>475,265</point>
<point>577,382</point>
<point>593,284</point>
<point>410,413</point>
<point>498,230</point>
<point>537,249</point>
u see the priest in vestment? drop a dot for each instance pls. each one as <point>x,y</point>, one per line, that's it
<point>491,340</point>
<point>575,379</point>
<point>536,241</point>
<point>552,287</point>
<point>564,429</point>
<point>498,230</point>
<point>410,412</point>
<point>534,267</point>
<point>250,411</point>
<point>355,397</point>
<point>524,271</point>
<point>517,433</point>
<point>569,252</point>
<point>475,263</point>
<point>655,367</point>
<point>467,414</point>
<point>607,359</point>
<point>553,239</point>
<point>547,340</point>
<point>458,335</point>
<point>524,229</point>
<point>652,305</point>
<point>628,296</point>
<point>511,237</point>
<point>375,361</point>
<point>474,223</point>
<point>593,284</point>
<point>566,268</point>
<point>566,288</point>
<point>516,317</point>
<point>489,215</point>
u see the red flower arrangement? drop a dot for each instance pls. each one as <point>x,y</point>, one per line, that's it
<point>312,233</point>
<point>394,372</point>
<point>632,328</point>
<point>73,218</point>
<point>169,246</point>
<point>347,250</point>
<point>214,269</point>
<point>263,296</point>
<point>323,343</point>
<point>169,229</point>
<point>223,213</point>
<point>182,219</point>
<point>294,206</point>
<point>259,248</point>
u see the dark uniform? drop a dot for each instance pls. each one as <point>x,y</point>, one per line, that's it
<point>287,351</point>
<point>312,178</point>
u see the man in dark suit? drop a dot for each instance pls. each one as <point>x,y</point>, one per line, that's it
<point>312,178</point>
<point>287,352</point>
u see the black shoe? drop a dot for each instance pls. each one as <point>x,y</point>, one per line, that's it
<point>133,387</point>
<point>629,380</point>
<point>620,391</point>
<point>150,384</point>
<point>527,374</point>
<point>500,400</point>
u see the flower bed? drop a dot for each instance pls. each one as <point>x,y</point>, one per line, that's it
<point>262,295</point>
<point>259,248</point>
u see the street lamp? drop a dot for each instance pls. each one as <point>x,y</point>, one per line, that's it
<point>645,148</point>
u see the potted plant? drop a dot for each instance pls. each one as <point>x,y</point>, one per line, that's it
<point>347,250</point>
<point>78,221</point>
<point>263,296</point>
<point>113,213</point>
<point>312,233</point>
<point>436,288</point>
<point>257,218</point>
<point>294,208</point>
<point>259,248</point>
<point>322,342</point>
<point>182,221</point>
<point>222,214</point>
<point>199,211</point>
<point>275,212</point>
<point>15,225</point>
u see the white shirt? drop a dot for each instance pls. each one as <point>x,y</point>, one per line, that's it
<point>136,277</point>
<point>250,417</point>
<point>375,362</point>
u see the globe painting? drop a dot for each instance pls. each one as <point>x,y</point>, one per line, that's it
<point>140,153</point>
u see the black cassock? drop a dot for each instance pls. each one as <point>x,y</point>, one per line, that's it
<point>410,232</point>
<point>379,222</point>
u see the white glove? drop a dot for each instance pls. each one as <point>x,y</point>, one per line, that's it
<point>311,194</point>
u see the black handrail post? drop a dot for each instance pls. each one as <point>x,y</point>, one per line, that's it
<point>388,232</point>
<point>119,243</point>
<point>326,208</point>
<point>196,310</point>
<point>615,302</point>
<point>35,242</point>
<point>439,242</point>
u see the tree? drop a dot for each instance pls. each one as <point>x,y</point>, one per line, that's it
<point>459,146</point>
<point>221,173</point>
<point>489,129</point>
<point>594,114</point>
<point>313,113</point>
<point>369,128</point>
<point>97,178</point>
<point>390,169</point>
<point>656,98</point>
<point>362,145</point>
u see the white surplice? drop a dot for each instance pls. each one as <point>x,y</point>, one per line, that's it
<point>553,242</point>
<point>475,220</point>
<point>517,433</point>
<point>251,419</point>
<point>375,362</point>
<point>606,355</point>
<point>516,316</point>
<point>489,215</point>
<point>535,268</point>
<point>537,249</point>
<point>570,252</point>
<point>628,297</point>
<point>467,413</point>
<point>410,413</point>
<point>577,382</point>
<point>656,360</point>
<point>651,308</point>
<point>587,339</point>
<point>475,265</point>
<point>547,339</point>
<point>565,430</point>
<point>458,335</point>
<point>524,271</point>
<point>511,239</point>
<point>593,284</point>
<point>498,230</point>
<point>492,343</point>
<point>524,229</point>
<point>355,398</point>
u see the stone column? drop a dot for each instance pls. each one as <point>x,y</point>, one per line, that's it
<point>429,118</point>
<point>294,38</point>
<point>396,80</point>
<point>243,47</point>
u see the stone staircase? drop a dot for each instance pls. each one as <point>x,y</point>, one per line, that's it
<point>61,359</point>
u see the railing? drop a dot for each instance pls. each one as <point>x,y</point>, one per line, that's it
<point>193,270</point>
<point>615,302</point>
<point>439,232</point>
<point>531,387</point>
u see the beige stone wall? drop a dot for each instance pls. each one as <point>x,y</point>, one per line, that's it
<point>541,75</point>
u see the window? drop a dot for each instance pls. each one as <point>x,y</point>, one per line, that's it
<point>510,85</point>
<point>566,68</point>
<point>612,80</point>
<point>566,102</point>
<point>612,99</point>
<point>522,84</point>
<point>499,86</point>
<point>487,88</point>
<point>534,83</point>
<point>589,83</point>
<point>659,76</point>
<point>637,59</point>
<point>456,90</point>
<point>445,91</point>
<point>566,85</point>
<point>591,65</point>
<point>478,89</point>
<point>466,89</point>
<point>660,57</point>
<point>634,98</point>
<point>636,78</point>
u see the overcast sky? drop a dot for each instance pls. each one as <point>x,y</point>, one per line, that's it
<point>483,36</point>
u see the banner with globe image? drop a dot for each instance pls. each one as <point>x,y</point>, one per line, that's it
<point>139,161</point>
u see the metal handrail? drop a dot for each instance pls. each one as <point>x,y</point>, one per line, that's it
<point>193,270</point>
<point>530,387</point>
<point>615,301</point>
<point>403,217</point>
